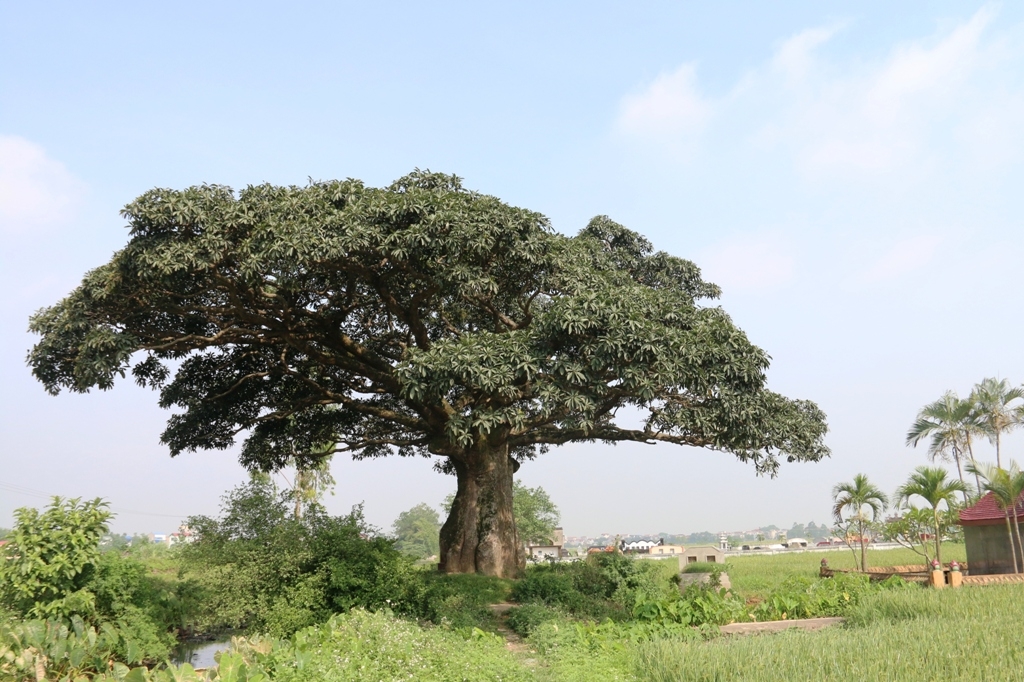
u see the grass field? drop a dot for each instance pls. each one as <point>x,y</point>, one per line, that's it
<point>897,636</point>
<point>967,634</point>
<point>755,575</point>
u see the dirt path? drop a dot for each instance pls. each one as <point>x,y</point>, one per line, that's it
<point>779,625</point>
<point>513,642</point>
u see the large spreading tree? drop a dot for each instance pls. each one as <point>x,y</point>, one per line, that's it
<point>416,319</point>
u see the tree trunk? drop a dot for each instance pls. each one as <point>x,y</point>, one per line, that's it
<point>960,472</point>
<point>1013,550</point>
<point>480,533</point>
<point>977,478</point>
<point>1016,526</point>
<point>938,539</point>
<point>863,557</point>
<point>999,459</point>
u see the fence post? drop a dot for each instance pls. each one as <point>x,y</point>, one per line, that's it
<point>956,578</point>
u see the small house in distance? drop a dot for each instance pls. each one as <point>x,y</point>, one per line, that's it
<point>543,552</point>
<point>705,553</point>
<point>551,551</point>
<point>989,551</point>
<point>667,550</point>
<point>639,546</point>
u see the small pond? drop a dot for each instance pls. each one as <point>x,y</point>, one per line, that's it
<point>198,653</point>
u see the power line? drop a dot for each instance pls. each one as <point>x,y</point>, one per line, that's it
<point>32,492</point>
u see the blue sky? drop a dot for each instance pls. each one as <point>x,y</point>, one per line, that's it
<point>850,174</point>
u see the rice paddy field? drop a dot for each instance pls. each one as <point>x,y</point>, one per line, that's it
<point>973,633</point>
<point>969,634</point>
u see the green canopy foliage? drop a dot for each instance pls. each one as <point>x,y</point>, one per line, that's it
<point>865,502</point>
<point>1000,408</point>
<point>931,485</point>
<point>416,319</point>
<point>426,314</point>
<point>536,515</point>
<point>416,530</point>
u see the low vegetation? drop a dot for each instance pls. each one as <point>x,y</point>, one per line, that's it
<point>756,575</point>
<point>968,634</point>
<point>321,597</point>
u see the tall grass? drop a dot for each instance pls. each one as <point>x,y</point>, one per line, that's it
<point>950,635</point>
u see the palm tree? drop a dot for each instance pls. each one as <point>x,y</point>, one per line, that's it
<point>855,497</point>
<point>312,478</point>
<point>931,485</point>
<point>1015,479</point>
<point>1006,487</point>
<point>992,401</point>
<point>310,485</point>
<point>950,421</point>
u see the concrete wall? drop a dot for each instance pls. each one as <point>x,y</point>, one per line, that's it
<point>667,550</point>
<point>705,553</point>
<point>988,550</point>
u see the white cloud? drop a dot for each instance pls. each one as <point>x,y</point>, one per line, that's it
<point>881,118</point>
<point>903,257</point>
<point>953,98</point>
<point>748,263</point>
<point>795,58</point>
<point>667,107</point>
<point>35,190</point>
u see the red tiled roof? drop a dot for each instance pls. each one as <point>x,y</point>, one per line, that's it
<point>986,511</point>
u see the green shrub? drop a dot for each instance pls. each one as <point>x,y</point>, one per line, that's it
<point>262,570</point>
<point>819,597</point>
<point>456,601</point>
<point>697,605</point>
<point>50,558</point>
<point>53,569</point>
<point>604,586</point>
<point>524,620</point>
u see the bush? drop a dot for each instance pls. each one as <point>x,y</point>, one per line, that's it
<point>697,605</point>
<point>603,586</point>
<point>816,597</point>
<point>262,570</point>
<point>50,558</point>
<point>524,620</point>
<point>456,601</point>
<point>53,571</point>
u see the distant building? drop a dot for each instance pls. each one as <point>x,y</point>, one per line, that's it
<point>705,553</point>
<point>667,550</point>
<point>989,550</point>
<point>639,546</point>
<point>543,552</point>
<point>183,534</point>
<point>553,551</point>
